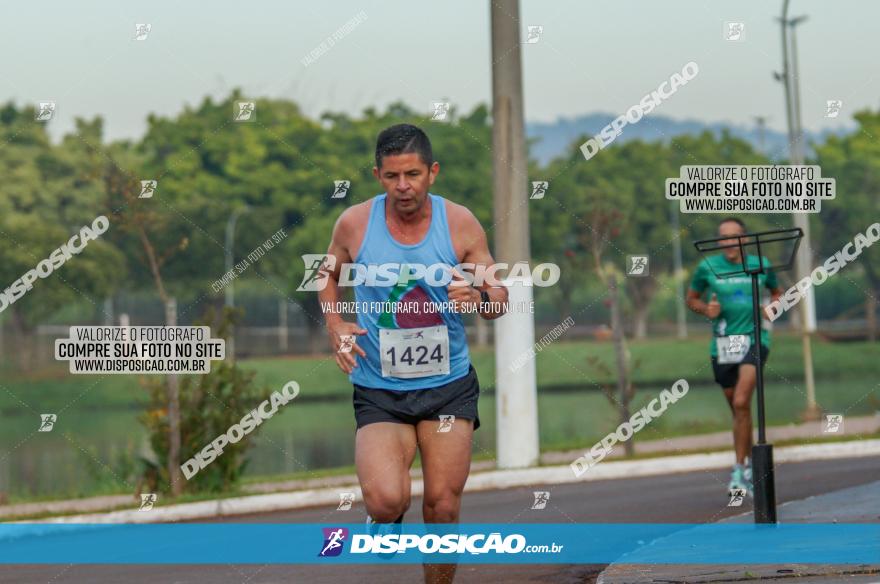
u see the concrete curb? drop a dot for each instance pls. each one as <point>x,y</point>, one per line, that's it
<point>480,481</point>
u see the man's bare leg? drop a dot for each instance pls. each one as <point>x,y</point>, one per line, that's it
<point>384,453</point>
<point>742,412</point>
<point>446,462</point>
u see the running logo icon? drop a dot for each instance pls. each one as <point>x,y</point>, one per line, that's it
<point>833,423</point>
<point>245,111</point>
<point>734,31</point>
<point>441,108</point>
<point>340,189</point>
<point>539,189</point>
<point>45,111</point>
<point>736,343</point>
<point>833,107</point>
<point>148,187</point>
<point>334,540</point>
<point>737,496</point>
<point>317,265</point>
<point>541,499</point>
<point>446,422</point>
<point>345,501</point>
<point>141,31</point>
<point>637,265</point>
<point>47,422</point>
<point>147,501</point>
<point>534,34</point>
<point>346,342</point>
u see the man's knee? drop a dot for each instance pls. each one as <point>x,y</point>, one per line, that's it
<point>742,403</point>
<point>385,505</point>
<point>442,507</point>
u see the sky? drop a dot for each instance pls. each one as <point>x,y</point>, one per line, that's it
<point>592,56</point>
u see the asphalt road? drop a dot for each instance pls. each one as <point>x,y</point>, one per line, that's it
<point>677,498</point>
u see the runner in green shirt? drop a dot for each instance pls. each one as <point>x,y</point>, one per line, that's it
<point>733,361</point>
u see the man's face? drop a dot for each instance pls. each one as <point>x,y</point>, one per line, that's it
<point>406,179</point>
<point>730,229</point>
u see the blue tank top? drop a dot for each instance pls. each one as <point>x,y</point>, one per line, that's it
<point>378,247</point>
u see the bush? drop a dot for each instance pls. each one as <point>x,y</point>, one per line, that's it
<point>209,405</point>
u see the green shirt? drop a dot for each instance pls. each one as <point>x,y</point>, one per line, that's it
<point>734,294</point>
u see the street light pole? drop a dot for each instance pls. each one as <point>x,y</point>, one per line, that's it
<point>678,271</point>
<point>516,387</point>
<point>791,83</point>
<point>230,262</point>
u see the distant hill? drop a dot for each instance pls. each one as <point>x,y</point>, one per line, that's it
<point>553,139</point>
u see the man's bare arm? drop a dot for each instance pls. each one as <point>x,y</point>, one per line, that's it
<point>476,251</point>
<point>329,296</point>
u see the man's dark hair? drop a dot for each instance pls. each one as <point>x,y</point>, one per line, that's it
<point>733,220</point>
<point>403,139</point>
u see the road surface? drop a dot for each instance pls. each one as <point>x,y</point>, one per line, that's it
<point>676,498</point>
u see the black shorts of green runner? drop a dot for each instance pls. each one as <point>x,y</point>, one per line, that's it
<point>727,374</point>
<point>457,398</point>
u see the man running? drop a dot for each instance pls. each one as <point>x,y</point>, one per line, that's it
<point>410,365</point>
<point>733,359</point>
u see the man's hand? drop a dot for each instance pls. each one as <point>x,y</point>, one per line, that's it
<point>713,308</point>
<point>346,361</point>
<point>461,293</point>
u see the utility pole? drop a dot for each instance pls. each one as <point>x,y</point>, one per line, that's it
<point>678,272</point>
<point>516,393</point>
<point>230,262</point>
<point>761,122</point>
<point>791,83</point>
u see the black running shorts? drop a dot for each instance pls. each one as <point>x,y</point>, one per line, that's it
<point>727,374</point>
<point>457,398</point>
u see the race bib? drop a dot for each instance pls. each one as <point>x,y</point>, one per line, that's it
<point>414,352</point>
<point>732,348</point>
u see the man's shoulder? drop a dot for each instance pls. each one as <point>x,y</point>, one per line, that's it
<point>459,216</point>
<point>356,215</point>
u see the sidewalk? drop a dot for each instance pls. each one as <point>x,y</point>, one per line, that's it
<point>852,505</point>
<point>273,496</point>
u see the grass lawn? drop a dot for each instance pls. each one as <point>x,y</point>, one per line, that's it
<point>561,365</point>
